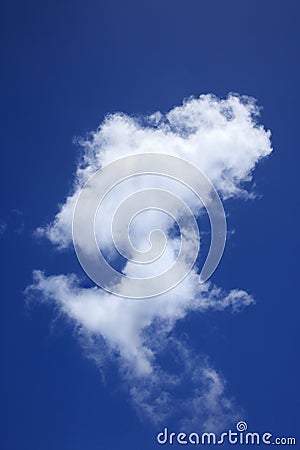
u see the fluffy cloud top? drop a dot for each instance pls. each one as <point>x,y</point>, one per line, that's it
<point>221,138</point>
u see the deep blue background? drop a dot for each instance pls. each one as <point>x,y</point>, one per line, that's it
<point>65,64</point>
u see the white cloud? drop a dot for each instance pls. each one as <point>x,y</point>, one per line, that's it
<point>223,139</point>
<point>122,322</point>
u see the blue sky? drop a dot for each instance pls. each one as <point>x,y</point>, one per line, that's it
<point>65,66</point>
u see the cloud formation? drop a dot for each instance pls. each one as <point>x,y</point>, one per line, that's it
<point>223,139</point>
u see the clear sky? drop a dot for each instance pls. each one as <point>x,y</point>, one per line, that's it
<point>65,65</point>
